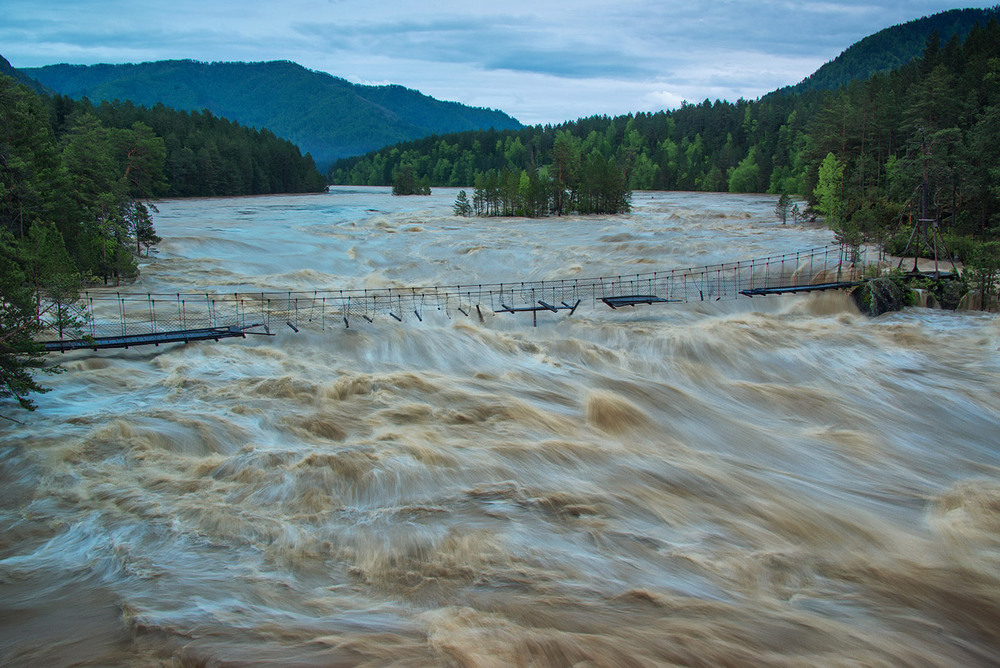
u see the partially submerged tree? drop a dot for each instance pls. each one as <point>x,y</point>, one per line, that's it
<point>565,169</point>
<point>783,207</point>
<point>406,183</point>
<point>983,271</point>
<point>462,206</point>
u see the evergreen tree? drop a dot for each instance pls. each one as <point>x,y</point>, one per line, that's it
<point>783,207</point>
<point>19,322</point>
<point>406,183</point>
<point>565,169</point>
<point>29,159</point>
<point>462,206</point>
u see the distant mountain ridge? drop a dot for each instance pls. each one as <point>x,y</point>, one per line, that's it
<point>325,115</point>
<point>892,47</point>
<point>7,69</point>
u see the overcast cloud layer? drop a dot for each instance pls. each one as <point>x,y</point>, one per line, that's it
<point>539,61</point>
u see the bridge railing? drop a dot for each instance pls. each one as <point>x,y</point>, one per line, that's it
<point>122,314</point>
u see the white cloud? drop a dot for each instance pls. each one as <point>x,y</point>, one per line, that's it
<point>661,99</point>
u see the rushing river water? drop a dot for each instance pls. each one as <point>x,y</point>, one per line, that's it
<point>777,481</point>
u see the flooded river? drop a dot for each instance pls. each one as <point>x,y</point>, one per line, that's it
<point>776,481</point>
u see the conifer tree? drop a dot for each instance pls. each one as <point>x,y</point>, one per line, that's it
<point>462,206</point>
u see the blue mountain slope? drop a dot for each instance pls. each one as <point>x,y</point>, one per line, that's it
<point>327,116</point>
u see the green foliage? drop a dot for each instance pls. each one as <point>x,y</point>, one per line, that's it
<point>19,322</point>
<point>594,184</point>
<point>68,204</point>
<point>46,263</point>
<point>919,140</point>
<point>918,149</point>
<point>829,191</point>
<point>204,155</point>
<point>746,178</point>
<point>405,183</point>
<point>462,206</point>
<point>709,146</point>
<point>145,235</point>
<point>938,113</point>
<point>565,168</point>
<point>873,156</point>
<point>511,193</point>
<point>108,169</point>
<point>29,159</point>
<point>983,271</point>
<point>783,207</point>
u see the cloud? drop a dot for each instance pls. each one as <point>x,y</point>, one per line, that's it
<point>493,42</point>
<point>539,61</point>
<point>570,63</point>
<point>662,99</point>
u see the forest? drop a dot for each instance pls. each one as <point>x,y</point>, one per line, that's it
<point>77,184</point>
<point>871,157</point>
<point>325,115</point>
<point>207,155</point>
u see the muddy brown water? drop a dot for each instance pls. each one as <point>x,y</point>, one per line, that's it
<point>777,481</point>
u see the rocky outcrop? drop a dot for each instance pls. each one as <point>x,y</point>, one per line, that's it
<point>879,295</point>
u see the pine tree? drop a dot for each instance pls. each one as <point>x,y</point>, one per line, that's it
<point>782,208</point>
<point>462,206</point>
<point>19,322</point>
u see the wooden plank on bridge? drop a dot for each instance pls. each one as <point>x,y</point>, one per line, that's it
<point>633,300</point>
<point>778,290</point>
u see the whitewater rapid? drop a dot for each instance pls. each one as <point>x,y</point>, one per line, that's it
<point>776,481</point>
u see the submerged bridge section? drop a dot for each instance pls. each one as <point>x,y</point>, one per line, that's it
<point>122,320</point>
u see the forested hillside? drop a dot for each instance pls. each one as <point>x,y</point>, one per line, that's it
<point>858,153</point>
<point>696,147</point>
<point>63,162</point>
<point>326,116</point>
<point>7,70</point>
<point>77,184</point>
<point>207,155</point>
<point>73,208</point>
<point>893,47</point>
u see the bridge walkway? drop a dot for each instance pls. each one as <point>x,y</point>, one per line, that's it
<point>123,320</point>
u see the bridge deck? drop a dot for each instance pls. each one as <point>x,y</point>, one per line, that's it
<point>634,300</point>
<point>779,290</point>
<point>124,319</point>
<point>179,336</point>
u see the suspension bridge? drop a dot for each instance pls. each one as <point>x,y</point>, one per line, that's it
<point>123,320</point>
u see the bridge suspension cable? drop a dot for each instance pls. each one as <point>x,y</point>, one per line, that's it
<point>123,319</point>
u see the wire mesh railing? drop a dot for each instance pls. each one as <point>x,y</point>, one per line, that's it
<point>101,314</point>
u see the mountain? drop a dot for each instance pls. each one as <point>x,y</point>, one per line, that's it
<point>893,47</point>
<point>7,69</point>
<point>325,115</point>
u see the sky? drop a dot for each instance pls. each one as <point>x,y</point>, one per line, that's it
<point>541,61</point>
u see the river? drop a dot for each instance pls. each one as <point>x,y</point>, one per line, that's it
<point>776,481</point>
